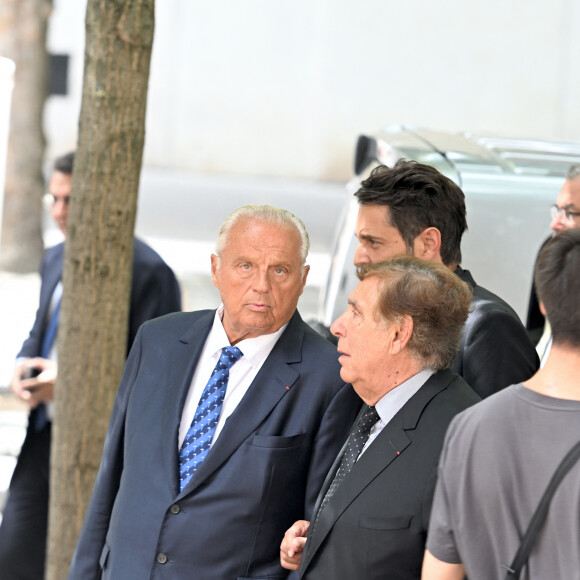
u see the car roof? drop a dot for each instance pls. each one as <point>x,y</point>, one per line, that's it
<point>458,155</point>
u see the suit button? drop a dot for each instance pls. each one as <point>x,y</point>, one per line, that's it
<point>175,509</point>
<point>162,558</point>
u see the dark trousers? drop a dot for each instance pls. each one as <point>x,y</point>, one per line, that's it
<point>25,518</point>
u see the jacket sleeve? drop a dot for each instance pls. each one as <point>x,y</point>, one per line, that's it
<point>32,345</point>
<point>154,292</point>
<point>85,563</point>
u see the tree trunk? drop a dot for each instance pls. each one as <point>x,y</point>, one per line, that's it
<point>23,26</point>
<point>98,257</point>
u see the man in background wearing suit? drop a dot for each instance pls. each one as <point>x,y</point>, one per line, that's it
<point>396,341</point>
<point>204,470</point>
<point>565,214</point>
<point>412,208</point>
<point>154,291</point>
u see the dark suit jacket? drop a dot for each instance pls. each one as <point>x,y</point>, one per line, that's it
<point>535,320</point>
<point>263,472</point>
<point>495,350</point>
<point>154,292</point>
<point>375,524</point>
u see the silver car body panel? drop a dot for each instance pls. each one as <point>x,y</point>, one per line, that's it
<point>509,185</point>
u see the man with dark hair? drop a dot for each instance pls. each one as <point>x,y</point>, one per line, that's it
<point>414,209</point>
<point>396,341</point>
<point>565,214</point>
<point>64,163</point>
<point>154,292</point>
<point>499,456</point>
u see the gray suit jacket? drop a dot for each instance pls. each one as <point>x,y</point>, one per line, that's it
<point>263,472</point>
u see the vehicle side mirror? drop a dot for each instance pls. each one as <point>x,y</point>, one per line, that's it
<point>365,153</point>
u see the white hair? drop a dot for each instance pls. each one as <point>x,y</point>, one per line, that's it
<point>264,213</point>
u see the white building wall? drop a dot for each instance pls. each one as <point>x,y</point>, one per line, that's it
<point>282,88</point>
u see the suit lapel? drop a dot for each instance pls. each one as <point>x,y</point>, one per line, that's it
<point>334,467</point>
<point>54,271</point>
<point>181,363</point>
<point>51,277</point>
<point>391,442</point>
<point>272,383</point>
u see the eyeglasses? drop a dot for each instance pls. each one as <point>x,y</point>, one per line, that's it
<point>49,200</point>
<point>564,214</point>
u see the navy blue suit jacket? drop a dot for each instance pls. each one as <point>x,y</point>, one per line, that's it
<point>154,292</point>
<point>262,473</point>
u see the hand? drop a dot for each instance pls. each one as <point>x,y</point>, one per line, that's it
<point>39,389</point>
<point>293,544</point>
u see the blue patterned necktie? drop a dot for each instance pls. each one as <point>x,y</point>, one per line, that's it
<point>50,332</point>
<point>198,440</point>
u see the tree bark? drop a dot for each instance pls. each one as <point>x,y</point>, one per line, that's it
<point>98,257</point>
<point>23,25</point>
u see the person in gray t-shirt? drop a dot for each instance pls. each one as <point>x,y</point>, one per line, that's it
<point>499,455</point>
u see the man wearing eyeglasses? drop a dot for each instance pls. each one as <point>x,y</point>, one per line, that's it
<point>565,214</point>
<point>154,292</point>
<point>566,210</point>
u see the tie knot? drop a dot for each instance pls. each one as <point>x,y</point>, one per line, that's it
<point>368,419</point>
<point>229,356</point>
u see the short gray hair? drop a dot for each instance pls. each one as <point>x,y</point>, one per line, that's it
<point>264,213</point>
<point>573,171</point>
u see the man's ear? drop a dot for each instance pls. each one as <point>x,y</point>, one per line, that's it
<point>427,245</point>
<point>215,263</point>
<point>304,276</point>
<point>542,308</point>
<point>402,330</point>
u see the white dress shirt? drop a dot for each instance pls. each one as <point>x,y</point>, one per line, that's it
<point>52,355</point>
<point>255,351</point>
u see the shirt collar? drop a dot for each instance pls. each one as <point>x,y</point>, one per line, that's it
<point>391,403</point>
<point>253,349</point>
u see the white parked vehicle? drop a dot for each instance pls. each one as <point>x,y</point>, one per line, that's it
<point>509,186</point>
